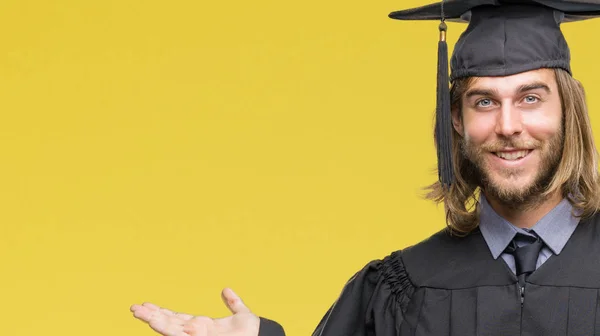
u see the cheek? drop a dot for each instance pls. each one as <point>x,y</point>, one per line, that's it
<point>543,127</point>
<point>478,127</point>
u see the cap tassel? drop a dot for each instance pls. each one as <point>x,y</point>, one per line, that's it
<point>443,124</point>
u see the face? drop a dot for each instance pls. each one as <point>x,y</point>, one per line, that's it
<point>512,133</point>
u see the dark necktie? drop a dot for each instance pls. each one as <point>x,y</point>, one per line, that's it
<point>525,256</point>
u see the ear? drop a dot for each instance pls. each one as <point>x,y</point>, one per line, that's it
<point>457,121</point>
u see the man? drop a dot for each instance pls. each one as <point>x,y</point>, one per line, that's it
<point>519,181</point>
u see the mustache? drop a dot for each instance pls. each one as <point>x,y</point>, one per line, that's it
<point>516,144</point>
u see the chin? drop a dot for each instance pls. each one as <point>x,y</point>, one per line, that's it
<point>511,187</point>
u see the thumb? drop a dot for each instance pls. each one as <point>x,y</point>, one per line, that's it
<point>233,301</point>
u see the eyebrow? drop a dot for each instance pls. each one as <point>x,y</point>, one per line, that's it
<point>533,86</point>
<point>481,92</point>
<point>521,89</point>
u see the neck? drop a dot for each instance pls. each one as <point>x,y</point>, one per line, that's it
<point>527,214</point>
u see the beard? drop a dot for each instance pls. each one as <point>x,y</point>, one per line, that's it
<point>518,194</point>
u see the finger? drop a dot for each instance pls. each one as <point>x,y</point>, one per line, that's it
<point>184,317</point>
<point>148,312</point>
<point>150,306</point>
<point>167,311</point>
<point>166,325</point>
<point>233,301</point>
<point>145,305</point>
<point>143,313</point>
<point>160,320</point>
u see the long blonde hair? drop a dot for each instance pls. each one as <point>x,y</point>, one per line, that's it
<point>576,175</point>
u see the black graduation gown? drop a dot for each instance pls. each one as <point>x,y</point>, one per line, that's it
<point>452,286</point>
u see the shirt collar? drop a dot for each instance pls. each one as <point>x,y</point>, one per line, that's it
<point>555,228</point>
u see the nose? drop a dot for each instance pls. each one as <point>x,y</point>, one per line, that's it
<point>509,121</point>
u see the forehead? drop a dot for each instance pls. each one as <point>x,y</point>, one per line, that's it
<point>508,84</point>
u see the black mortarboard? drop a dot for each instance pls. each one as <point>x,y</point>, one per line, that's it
<point>503,37</point>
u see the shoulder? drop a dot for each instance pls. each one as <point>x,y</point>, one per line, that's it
<point>443,247</point>
<point>449,261</point>
<point>373,296</point>
<point>425,259</point>
<point>381,292</point>
<point>591,226</point>
<point>402,270</point>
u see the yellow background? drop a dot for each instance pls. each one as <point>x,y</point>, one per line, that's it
<point>161,150</point>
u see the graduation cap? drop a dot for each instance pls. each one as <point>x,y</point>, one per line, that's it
<point>503,37</point>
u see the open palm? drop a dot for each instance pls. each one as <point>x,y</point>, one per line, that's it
<point>169,323</point>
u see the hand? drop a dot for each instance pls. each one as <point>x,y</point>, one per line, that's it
<point>169,323</point>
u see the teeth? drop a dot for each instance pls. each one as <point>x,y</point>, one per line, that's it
<point>513,155</point>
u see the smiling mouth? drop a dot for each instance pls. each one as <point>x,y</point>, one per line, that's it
<point>513,155</point>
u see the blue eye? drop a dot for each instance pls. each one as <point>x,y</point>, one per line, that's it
<point>531,99</point>
<point>484,102</point>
